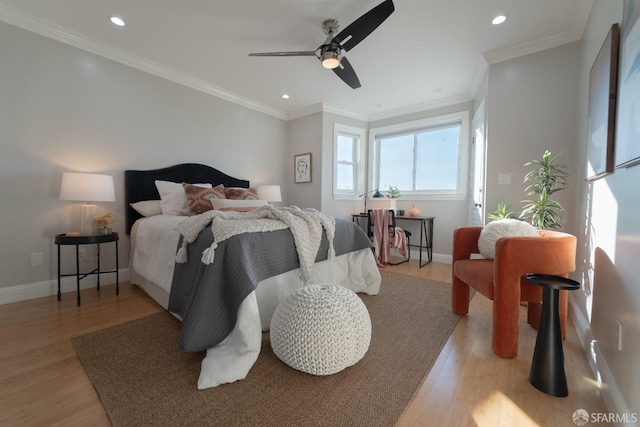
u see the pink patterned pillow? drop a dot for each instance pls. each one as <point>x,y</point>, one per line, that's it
<point>237,193</point>
<point>197,202</point>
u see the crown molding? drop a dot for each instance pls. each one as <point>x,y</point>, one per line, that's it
<point>416,108</point>
<point>583,9</point>
<point>305,111</point>
<point>323,107</point>
<point>328,108</point>
<point>481,71</point>
<point>425,106</point>
<point>46,29</point>
<point>503,54</point>
<point>582,16</point>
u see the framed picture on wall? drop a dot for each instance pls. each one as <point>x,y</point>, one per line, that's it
<point>603,88</point>
<point>302,168</point>
<point>628,121</point>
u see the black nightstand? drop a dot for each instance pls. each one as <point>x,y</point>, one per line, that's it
<point>64,240</point>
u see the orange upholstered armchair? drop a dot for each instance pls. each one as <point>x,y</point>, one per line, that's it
<point>502,279</point>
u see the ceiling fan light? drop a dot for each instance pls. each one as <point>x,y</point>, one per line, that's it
<point>330,59</point>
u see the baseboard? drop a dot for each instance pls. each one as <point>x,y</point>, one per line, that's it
<point>441,258</point>
<point>50,287</point>
<point>613,398</point>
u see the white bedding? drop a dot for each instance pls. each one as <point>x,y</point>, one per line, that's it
<point>154,242</point>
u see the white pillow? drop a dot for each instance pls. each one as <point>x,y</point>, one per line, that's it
<point>236,205</point>
<point>173,199</point>
<point>147,207</point>
<point>502,228</point>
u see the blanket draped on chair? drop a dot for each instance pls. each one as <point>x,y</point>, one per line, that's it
<point>381,237</point>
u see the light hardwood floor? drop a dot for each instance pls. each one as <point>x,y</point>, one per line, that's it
<point>42,382</point>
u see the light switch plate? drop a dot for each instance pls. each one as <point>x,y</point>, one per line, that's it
<point>504,178</point>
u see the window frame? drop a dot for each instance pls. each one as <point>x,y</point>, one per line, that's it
<point>358,162</point>
<point>462,173</point>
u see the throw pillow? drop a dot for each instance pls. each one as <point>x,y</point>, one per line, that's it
<point>196,197</point>
<point>147,207</point>
<point>237,193</point>
<point>502,228</point>
<point>173,199</point>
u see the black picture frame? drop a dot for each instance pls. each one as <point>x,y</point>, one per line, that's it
<point>628,115</point>
<point>603,89</point>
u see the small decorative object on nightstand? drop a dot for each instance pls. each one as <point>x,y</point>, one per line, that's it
<point>66,240</point>
<point>102,221</point>
<point>414,211</point>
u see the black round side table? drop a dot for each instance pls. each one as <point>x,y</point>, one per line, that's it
<point>547,368</point>
<point>63,240</point>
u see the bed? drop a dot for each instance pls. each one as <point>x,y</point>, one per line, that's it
<point>227,301</point>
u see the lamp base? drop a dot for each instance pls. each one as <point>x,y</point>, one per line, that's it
<point>87,213</point>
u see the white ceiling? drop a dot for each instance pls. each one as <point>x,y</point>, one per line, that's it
<point>427,53</point>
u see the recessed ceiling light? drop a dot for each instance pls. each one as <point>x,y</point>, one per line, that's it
<point>499,19</point>
<point>118,21</point>
<point>285,96</point>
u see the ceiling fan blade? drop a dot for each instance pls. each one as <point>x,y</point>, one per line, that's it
<point>363,26</point>
<point>299,53</point>
<point>347,74</point>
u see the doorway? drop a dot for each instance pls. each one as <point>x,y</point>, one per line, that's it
<point>478,160</point>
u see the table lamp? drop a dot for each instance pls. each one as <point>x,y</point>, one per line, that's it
<point>270,193</point>
<point>88,188</point>
<point>376,194</point>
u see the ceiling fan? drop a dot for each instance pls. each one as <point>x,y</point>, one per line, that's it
<point>330,53</point>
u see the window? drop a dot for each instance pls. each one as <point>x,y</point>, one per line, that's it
<point>348,175</point>
<point>424,158</point>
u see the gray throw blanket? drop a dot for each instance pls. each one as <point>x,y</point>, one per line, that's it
<point>207,297</point>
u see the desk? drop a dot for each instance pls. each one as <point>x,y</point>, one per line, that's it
<point>64,240</point>
<point>426,233</point>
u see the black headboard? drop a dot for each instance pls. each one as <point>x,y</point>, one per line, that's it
<point>140,185</point>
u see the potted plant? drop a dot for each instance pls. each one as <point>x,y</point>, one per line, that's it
<point>102,221</point>
<point>502,212</point>
<point>547,178</point>
<point>393,192</point>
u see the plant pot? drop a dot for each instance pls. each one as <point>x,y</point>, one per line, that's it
<point>103,231</point>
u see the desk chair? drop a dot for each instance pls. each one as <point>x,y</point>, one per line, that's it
<point>392,231</point>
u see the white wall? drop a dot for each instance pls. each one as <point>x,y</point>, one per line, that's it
<point>305,136</point>
<point>531,107</point>
<point>64,109</point>
<point>609,243</point>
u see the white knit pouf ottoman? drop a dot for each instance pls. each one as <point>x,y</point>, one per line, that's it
<point>321,329</point>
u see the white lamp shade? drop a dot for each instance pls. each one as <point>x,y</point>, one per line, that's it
<point>87,187</point>
<point>270,193</point>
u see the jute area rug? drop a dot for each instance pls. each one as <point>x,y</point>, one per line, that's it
<point>144,379</point>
